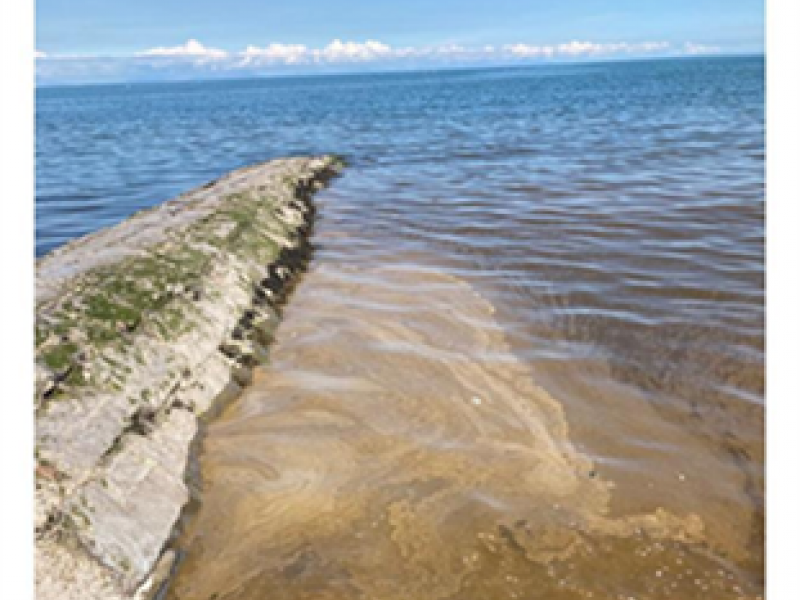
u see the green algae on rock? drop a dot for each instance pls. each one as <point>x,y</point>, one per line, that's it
<point>139,329</point>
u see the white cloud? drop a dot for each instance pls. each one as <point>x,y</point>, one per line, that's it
<point>696,49</point>
<point>338,51</point>
<point>191,48</point>
<point>195,60</point>
<point>40,54</point>
<point>341,52</point>
<point>653,46</point>
<point>527,51</point>
<point>335,52</point>
<point>578,48</point>
<point>281,53</point>
<point>354,51</point>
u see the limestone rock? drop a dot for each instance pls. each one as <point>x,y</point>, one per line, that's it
<point>140,329</point>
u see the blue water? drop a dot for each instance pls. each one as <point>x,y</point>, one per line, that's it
<point>104,152</point>
<point>613,213</point>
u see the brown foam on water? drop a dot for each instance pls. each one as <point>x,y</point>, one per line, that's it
<point>395,448</point>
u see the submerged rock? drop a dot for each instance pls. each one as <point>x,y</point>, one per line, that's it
<point>140,328</point>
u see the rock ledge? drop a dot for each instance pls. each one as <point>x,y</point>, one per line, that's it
<point>140,329</point>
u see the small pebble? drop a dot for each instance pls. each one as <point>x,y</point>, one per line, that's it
<point>476,401</point>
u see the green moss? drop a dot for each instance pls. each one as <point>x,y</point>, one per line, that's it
<point>63,325</point>
<point>161,329</point>
<point>105,307</point>
<point>59,357</point>
<point>254,218</point>
<point>174,322</point>
<point>101,333</point>
<point>149,289</point>
<point>75,377</point>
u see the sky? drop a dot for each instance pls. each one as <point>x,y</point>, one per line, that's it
<point>83,41</point>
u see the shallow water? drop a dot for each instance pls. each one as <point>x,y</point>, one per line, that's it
<point>527,359</point>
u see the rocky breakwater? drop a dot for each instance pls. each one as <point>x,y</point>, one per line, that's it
<point>140,329</point>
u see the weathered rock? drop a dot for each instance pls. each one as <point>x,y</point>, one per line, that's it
<point>140,328</point>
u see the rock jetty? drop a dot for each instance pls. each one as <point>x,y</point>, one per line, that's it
<point>141,329</point>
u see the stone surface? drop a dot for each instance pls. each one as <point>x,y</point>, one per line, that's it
<point>140,329</point>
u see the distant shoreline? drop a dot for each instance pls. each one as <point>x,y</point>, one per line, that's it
<point>557,63</point>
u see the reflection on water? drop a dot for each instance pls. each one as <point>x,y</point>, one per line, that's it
<point>528,357</point>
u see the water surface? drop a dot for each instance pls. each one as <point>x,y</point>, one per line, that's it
<point>527,359</point>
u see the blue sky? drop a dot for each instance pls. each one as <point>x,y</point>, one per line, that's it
<point>98,40</point>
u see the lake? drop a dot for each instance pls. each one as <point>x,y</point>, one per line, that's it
<point>527,359</point>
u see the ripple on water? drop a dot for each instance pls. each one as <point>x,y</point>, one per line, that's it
<point>396,448</point>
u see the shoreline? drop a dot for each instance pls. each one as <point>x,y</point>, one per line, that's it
<point>141,329</point>
<point>507,65</point>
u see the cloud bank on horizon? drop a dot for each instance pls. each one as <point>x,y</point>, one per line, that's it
<point>193,60</point>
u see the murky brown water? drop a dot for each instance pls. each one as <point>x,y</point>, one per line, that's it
<point>526,361</point>
<point>396,447</point>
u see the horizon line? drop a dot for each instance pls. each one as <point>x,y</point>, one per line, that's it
<point>387,70</point>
